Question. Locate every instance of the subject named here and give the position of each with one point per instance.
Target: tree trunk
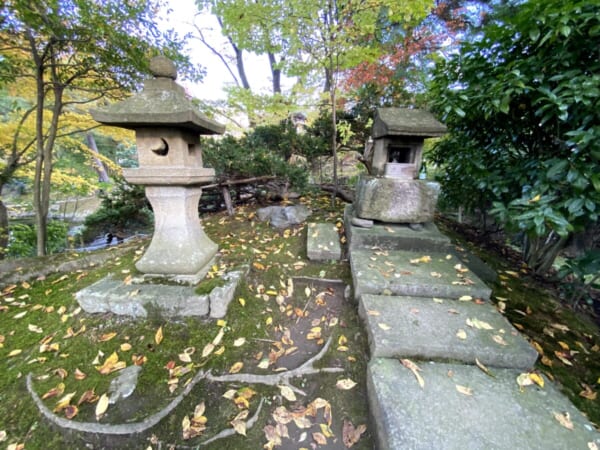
(3, 228)
(276, 73)
(40, 215)
(539, 252)
(98, 164)
(45, 146)
(227, 200)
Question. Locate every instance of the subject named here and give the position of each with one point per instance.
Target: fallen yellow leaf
(415, 370)
(483, 368)
(287, 393)
(564, 419)
(64, 402)
(236, 367)
(158, 337)
(101, 406)
(345, 384)
(464, 390)
(107, 337)
(208, 348)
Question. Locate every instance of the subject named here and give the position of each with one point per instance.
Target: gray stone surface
(284, 216)
(395, 236)
(110, 295)
(179, 245)
(390, 272)
(123, 385)
(406, 122)
(362, 223)
(135, 299)
(424, 329)
(161, 103)
(477, 265)
(394, 200)
(323, 242)
(497, 416)
(221, 296)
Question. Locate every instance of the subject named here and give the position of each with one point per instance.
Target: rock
(362, 223)
(124, 385)
(395, 200)
(284, 216)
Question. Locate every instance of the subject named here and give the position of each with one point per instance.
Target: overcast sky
(217, 76)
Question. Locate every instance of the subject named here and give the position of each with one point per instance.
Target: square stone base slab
(424, 329)
(497, 416)
(390, 236)
(391, 273)
(136, 299)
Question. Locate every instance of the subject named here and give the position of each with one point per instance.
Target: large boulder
(395, 200)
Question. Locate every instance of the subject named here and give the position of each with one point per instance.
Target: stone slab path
(424, 329)
(425, 274)
(425, 305)
(323, 242)
(498, 415)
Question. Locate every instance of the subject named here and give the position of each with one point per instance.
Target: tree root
(139, 427)
(283, 377)
(230, 431)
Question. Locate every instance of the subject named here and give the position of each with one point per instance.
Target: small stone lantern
(167, 128)
(398, 136)
(391, 193)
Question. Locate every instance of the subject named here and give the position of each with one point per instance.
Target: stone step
(323, 242)
(390, 236)
(421, 328)
(498, 415)
(390, 272)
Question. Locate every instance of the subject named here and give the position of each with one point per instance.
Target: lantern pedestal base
(179, 249)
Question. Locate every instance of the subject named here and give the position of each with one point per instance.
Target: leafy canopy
(522, 104)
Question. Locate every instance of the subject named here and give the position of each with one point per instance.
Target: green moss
(206, 286)
(274, 256)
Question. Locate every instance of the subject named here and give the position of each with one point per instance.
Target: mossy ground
(45, 311)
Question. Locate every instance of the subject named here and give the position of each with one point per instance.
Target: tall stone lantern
(167, 130)
(391, 191)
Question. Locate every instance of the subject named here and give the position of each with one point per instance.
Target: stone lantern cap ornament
(167, 130)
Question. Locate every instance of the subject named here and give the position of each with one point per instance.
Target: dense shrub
(22, 240)
(264, 151)
(124, 206)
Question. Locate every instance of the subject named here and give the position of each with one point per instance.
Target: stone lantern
(167, 128)
(391, 193)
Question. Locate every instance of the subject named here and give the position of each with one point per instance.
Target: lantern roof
(162, 103)
(406, 122)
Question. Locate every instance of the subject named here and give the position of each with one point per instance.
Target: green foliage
(522, 104)
(124, 206)
(22, 239)
(356, 129)
(259, 153)
(579, 276)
